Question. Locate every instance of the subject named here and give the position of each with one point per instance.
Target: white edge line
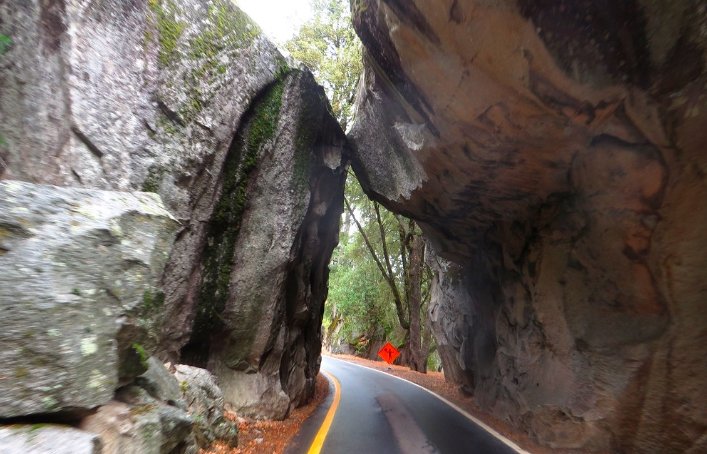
(473, 419)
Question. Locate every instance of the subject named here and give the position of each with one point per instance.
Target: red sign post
(388, 353)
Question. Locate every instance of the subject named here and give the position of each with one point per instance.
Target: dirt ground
(269, 437)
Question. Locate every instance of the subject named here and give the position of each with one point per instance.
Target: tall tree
(396, 246)
(328, 45)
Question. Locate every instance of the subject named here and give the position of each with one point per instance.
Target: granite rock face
(261, 281)
(554, 155)
(187, 99)
(48, 439)
(126, 95)
(78, 290)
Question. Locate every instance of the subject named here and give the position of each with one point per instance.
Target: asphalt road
(379, 413)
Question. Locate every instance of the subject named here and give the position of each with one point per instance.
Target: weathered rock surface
(554, 154)
(261, 281)
(206, 405)
(138, 423)
(47, 439)
(77, 292)
(126, 95)
(151, 417)
(160, 383)
(186, 98)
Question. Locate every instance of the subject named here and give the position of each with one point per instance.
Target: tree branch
(388, 277)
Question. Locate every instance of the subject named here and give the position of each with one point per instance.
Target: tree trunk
(418, 358)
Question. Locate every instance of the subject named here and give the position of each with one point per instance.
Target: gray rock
(159, 96)
(206, 406)
(123, 428)
(103, 95)
(176, 428)
(137, 423)
(160, 383)
(79, 272)
(275, 221)
(47, 439)
(451, 315)
(556, 162)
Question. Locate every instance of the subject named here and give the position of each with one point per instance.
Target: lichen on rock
(74, 285)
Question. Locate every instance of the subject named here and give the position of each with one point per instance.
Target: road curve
(379, 413)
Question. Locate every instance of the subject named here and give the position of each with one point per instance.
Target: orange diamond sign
(388, 353)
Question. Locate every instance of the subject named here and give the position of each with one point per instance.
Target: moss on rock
(141, 354)
(228, 30)
(169, 29)
(260, 128)
(153, 179)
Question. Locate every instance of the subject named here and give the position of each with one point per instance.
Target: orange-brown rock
(554, 154)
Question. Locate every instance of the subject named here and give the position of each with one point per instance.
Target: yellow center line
(318, 442)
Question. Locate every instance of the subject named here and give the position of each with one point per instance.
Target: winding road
(372, 412)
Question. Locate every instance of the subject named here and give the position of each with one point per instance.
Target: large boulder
(186, 98)
(160, 383)
(554, 154)
(127, 95)
(78, 291)
(261, 282)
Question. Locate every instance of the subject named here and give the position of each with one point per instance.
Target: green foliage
(358, 295)
(329, 47)
(142, 354)
(5, 43)
(362, 297)
(434, 362)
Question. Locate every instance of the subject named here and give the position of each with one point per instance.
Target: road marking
(318, 442)
(473, 419)
(408, 434)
